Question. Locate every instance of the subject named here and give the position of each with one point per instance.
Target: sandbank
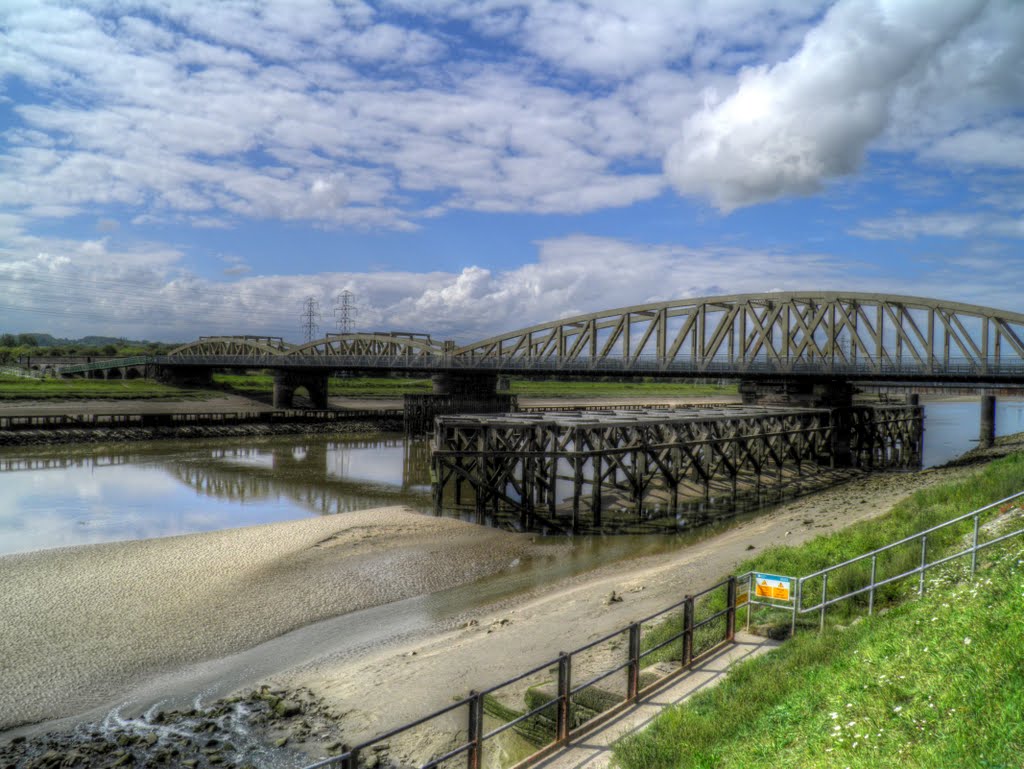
(83, 624)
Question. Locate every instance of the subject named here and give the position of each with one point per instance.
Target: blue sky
(176, 168)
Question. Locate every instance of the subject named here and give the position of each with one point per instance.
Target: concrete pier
(987, 427)
(287, 382)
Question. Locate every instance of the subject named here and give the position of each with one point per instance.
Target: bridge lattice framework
(830, 334)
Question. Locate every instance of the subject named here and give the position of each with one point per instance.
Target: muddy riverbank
(87, 624)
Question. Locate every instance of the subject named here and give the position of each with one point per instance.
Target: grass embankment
(19, 388)
(936, 682)
(386, 387)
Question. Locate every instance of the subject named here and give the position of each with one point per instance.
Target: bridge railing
(610, 365)
(99, 365)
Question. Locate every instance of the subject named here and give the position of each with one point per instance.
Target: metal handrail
(474, 702)
(913, 537)
(562, 700)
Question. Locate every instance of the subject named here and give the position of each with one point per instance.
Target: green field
(385, 387)
(932, 682)
(18, 388)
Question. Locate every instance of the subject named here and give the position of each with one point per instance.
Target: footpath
(593, 750)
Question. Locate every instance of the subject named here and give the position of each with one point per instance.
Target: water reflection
(62, 496)
(951, 427)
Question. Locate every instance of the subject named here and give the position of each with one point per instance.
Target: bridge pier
(987, 427)
(456, 393)
(287, 382)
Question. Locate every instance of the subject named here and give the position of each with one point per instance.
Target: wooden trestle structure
(612, 470)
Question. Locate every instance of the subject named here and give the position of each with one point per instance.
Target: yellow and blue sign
(772, 586)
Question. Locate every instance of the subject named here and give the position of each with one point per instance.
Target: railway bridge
(785, 345)
(798, 356)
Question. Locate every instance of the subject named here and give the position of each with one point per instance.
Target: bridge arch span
(232, 345)
(785, 331)
(369, 344)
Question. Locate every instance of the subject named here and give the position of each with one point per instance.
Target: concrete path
(593, 751)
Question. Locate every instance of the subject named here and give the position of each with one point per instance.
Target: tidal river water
(60, 496)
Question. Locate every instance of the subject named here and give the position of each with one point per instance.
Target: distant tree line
(20, 346)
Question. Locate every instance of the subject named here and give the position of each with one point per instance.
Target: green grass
(922, 510)
(904, 687)
(932, 683)
(385, 387)
(18, 388)
(365, 387)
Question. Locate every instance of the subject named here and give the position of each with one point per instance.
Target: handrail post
(750, 595)
(730, 616)
(924, 561)
(797, 604)
(633, 684)
(564, 685)
(871, 595)
(475, 730)
(974, 547)
(824, 601)
(687, 658)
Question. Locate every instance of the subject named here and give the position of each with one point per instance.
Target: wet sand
(83, 624)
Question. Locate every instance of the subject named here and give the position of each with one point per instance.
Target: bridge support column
(456, 393)
(287, 382)
(987, 428)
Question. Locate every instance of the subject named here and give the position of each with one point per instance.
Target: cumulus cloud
(146, 291)
(788, 128)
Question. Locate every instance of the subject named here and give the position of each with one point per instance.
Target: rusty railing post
(687, 632)
(730, 617)
(562, 724)
(475, 730)
(633, 683)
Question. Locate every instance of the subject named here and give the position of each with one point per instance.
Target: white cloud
(788, 128)
(1000, 145)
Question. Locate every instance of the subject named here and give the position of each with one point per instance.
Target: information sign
(772, 586)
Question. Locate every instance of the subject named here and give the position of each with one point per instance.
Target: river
(62, 496)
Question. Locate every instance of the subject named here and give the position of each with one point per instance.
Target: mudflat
(83, 624)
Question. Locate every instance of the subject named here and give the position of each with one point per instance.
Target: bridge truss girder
(783, 331)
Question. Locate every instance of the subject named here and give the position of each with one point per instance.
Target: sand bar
(83, 624)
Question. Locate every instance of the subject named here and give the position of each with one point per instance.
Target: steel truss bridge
(795, 335)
